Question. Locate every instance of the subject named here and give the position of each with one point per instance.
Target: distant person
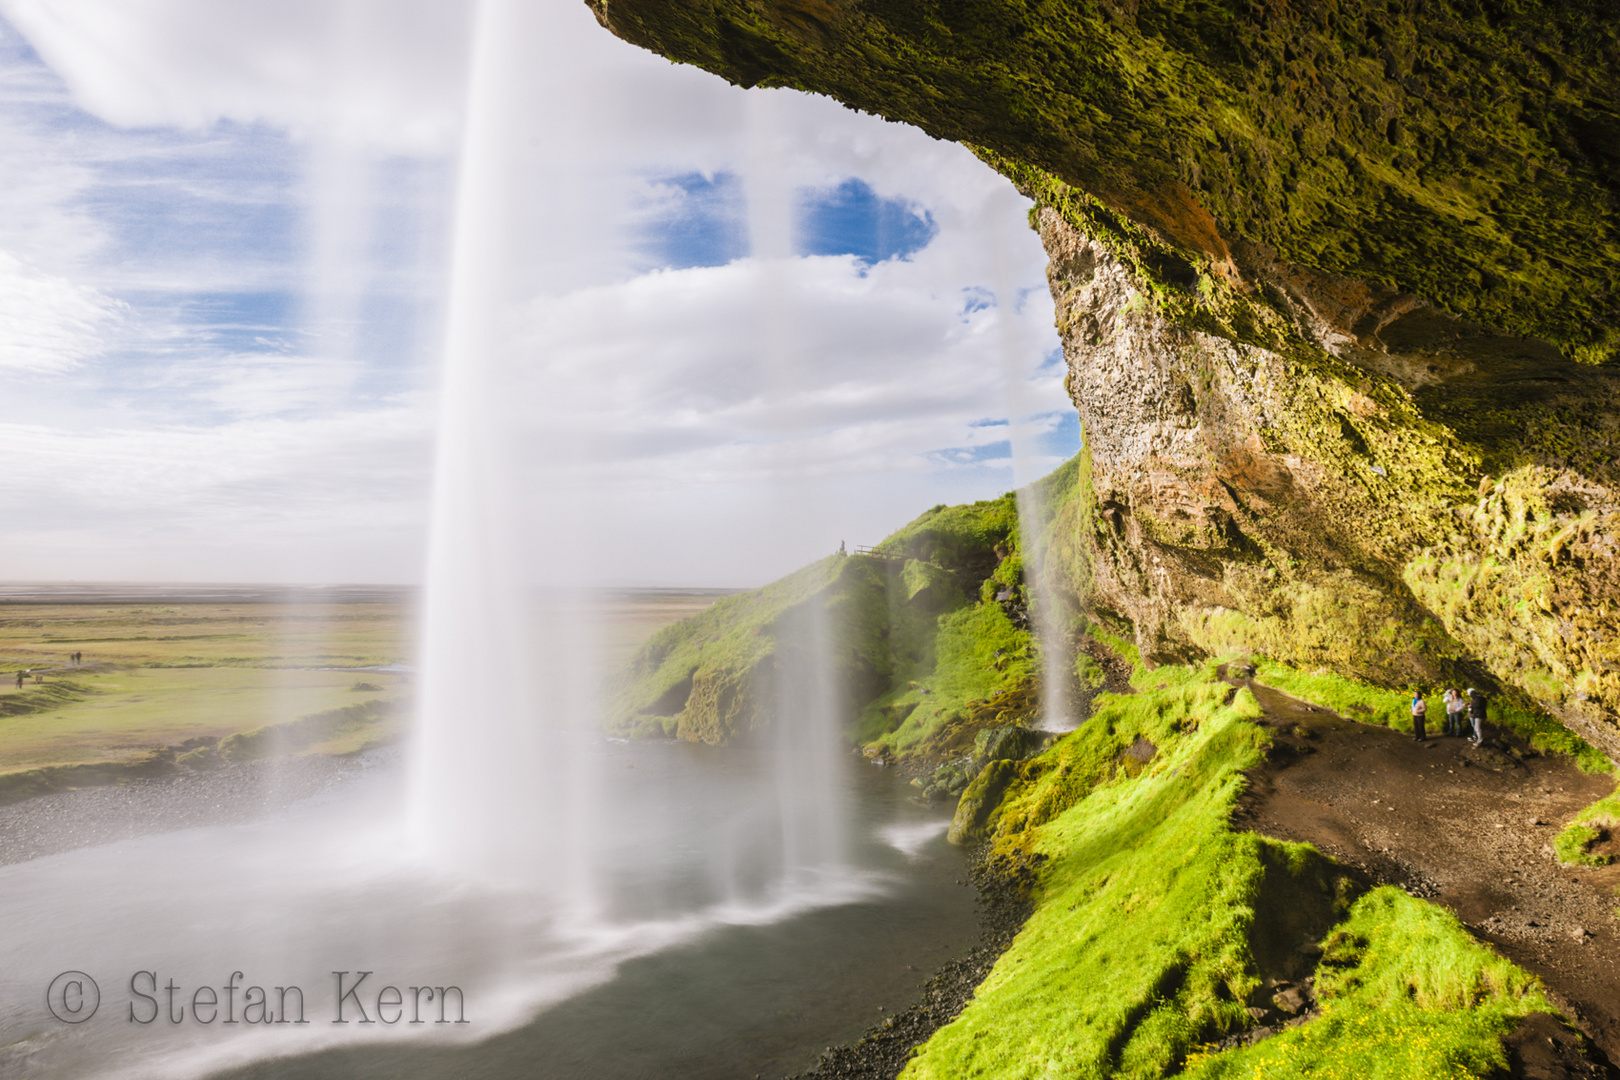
(1420, 712)
(1476, 715)
(841, 549)
(1456, 707)
(21, 674)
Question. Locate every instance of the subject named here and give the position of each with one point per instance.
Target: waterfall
(504, 779)
(505, 670)
(807, 744)
(1057, 710)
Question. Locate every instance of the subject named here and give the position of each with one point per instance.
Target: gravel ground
(228, 795)
(1467, 827)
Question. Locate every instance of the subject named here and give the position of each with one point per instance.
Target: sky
(736, 327)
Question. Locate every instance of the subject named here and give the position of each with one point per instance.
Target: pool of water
(696, 960)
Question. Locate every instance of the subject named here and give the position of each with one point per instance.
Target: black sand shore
(231, 794)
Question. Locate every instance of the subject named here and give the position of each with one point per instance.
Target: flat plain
(165, 673)
(175, 669)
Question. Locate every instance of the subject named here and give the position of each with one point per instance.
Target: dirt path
(1470, 828)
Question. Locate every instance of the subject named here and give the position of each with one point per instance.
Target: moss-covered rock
(1339, 290)
(715, 677)
(1464, 152)
(980, 801)
(922, 659)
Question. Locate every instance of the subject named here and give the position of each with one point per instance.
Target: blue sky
(223, 260)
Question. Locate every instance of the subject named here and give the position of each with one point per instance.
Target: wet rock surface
(1468, 827)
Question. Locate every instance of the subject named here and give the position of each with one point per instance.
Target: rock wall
(1348, 499)
(1339, 288)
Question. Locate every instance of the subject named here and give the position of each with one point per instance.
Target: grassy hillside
(1159, 931)
(932, 633)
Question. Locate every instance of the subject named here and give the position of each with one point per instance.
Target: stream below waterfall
(698, 958)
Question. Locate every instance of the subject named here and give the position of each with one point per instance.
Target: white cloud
(876, 369)
(337, 497)
(383, 70)
(47, 323)
(255, 385)
(793, 402)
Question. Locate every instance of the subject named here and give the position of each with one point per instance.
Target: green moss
(1405, 992)
(1329, 133)
(1518, 578)
(1155, 923)
(1574, 844)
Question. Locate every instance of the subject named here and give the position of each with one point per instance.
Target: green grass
(1405, 992)
(188, 684)
(293, 635)
(929, 643)
(1137, 945)
(708, 677)
(1350, 698)
(1155, 921)
(334, 731)
(158, 676)
(975, 655)
(122, 715)
(1574, 843)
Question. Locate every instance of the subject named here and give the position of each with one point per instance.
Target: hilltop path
(1470, 828)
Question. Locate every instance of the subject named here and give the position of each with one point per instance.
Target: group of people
(1465, 716)
(24, 674)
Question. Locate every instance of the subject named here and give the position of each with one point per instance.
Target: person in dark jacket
(1476, 715)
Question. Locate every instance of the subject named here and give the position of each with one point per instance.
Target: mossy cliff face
(720, 676)
(1339, 289)
(1467, 152)
(1376, 502)
(925, 639)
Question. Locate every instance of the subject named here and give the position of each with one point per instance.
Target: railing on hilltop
(874, 553)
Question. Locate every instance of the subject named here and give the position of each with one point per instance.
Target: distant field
(267, 634)
(175, 669)
(632, 616)
(158, 675)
